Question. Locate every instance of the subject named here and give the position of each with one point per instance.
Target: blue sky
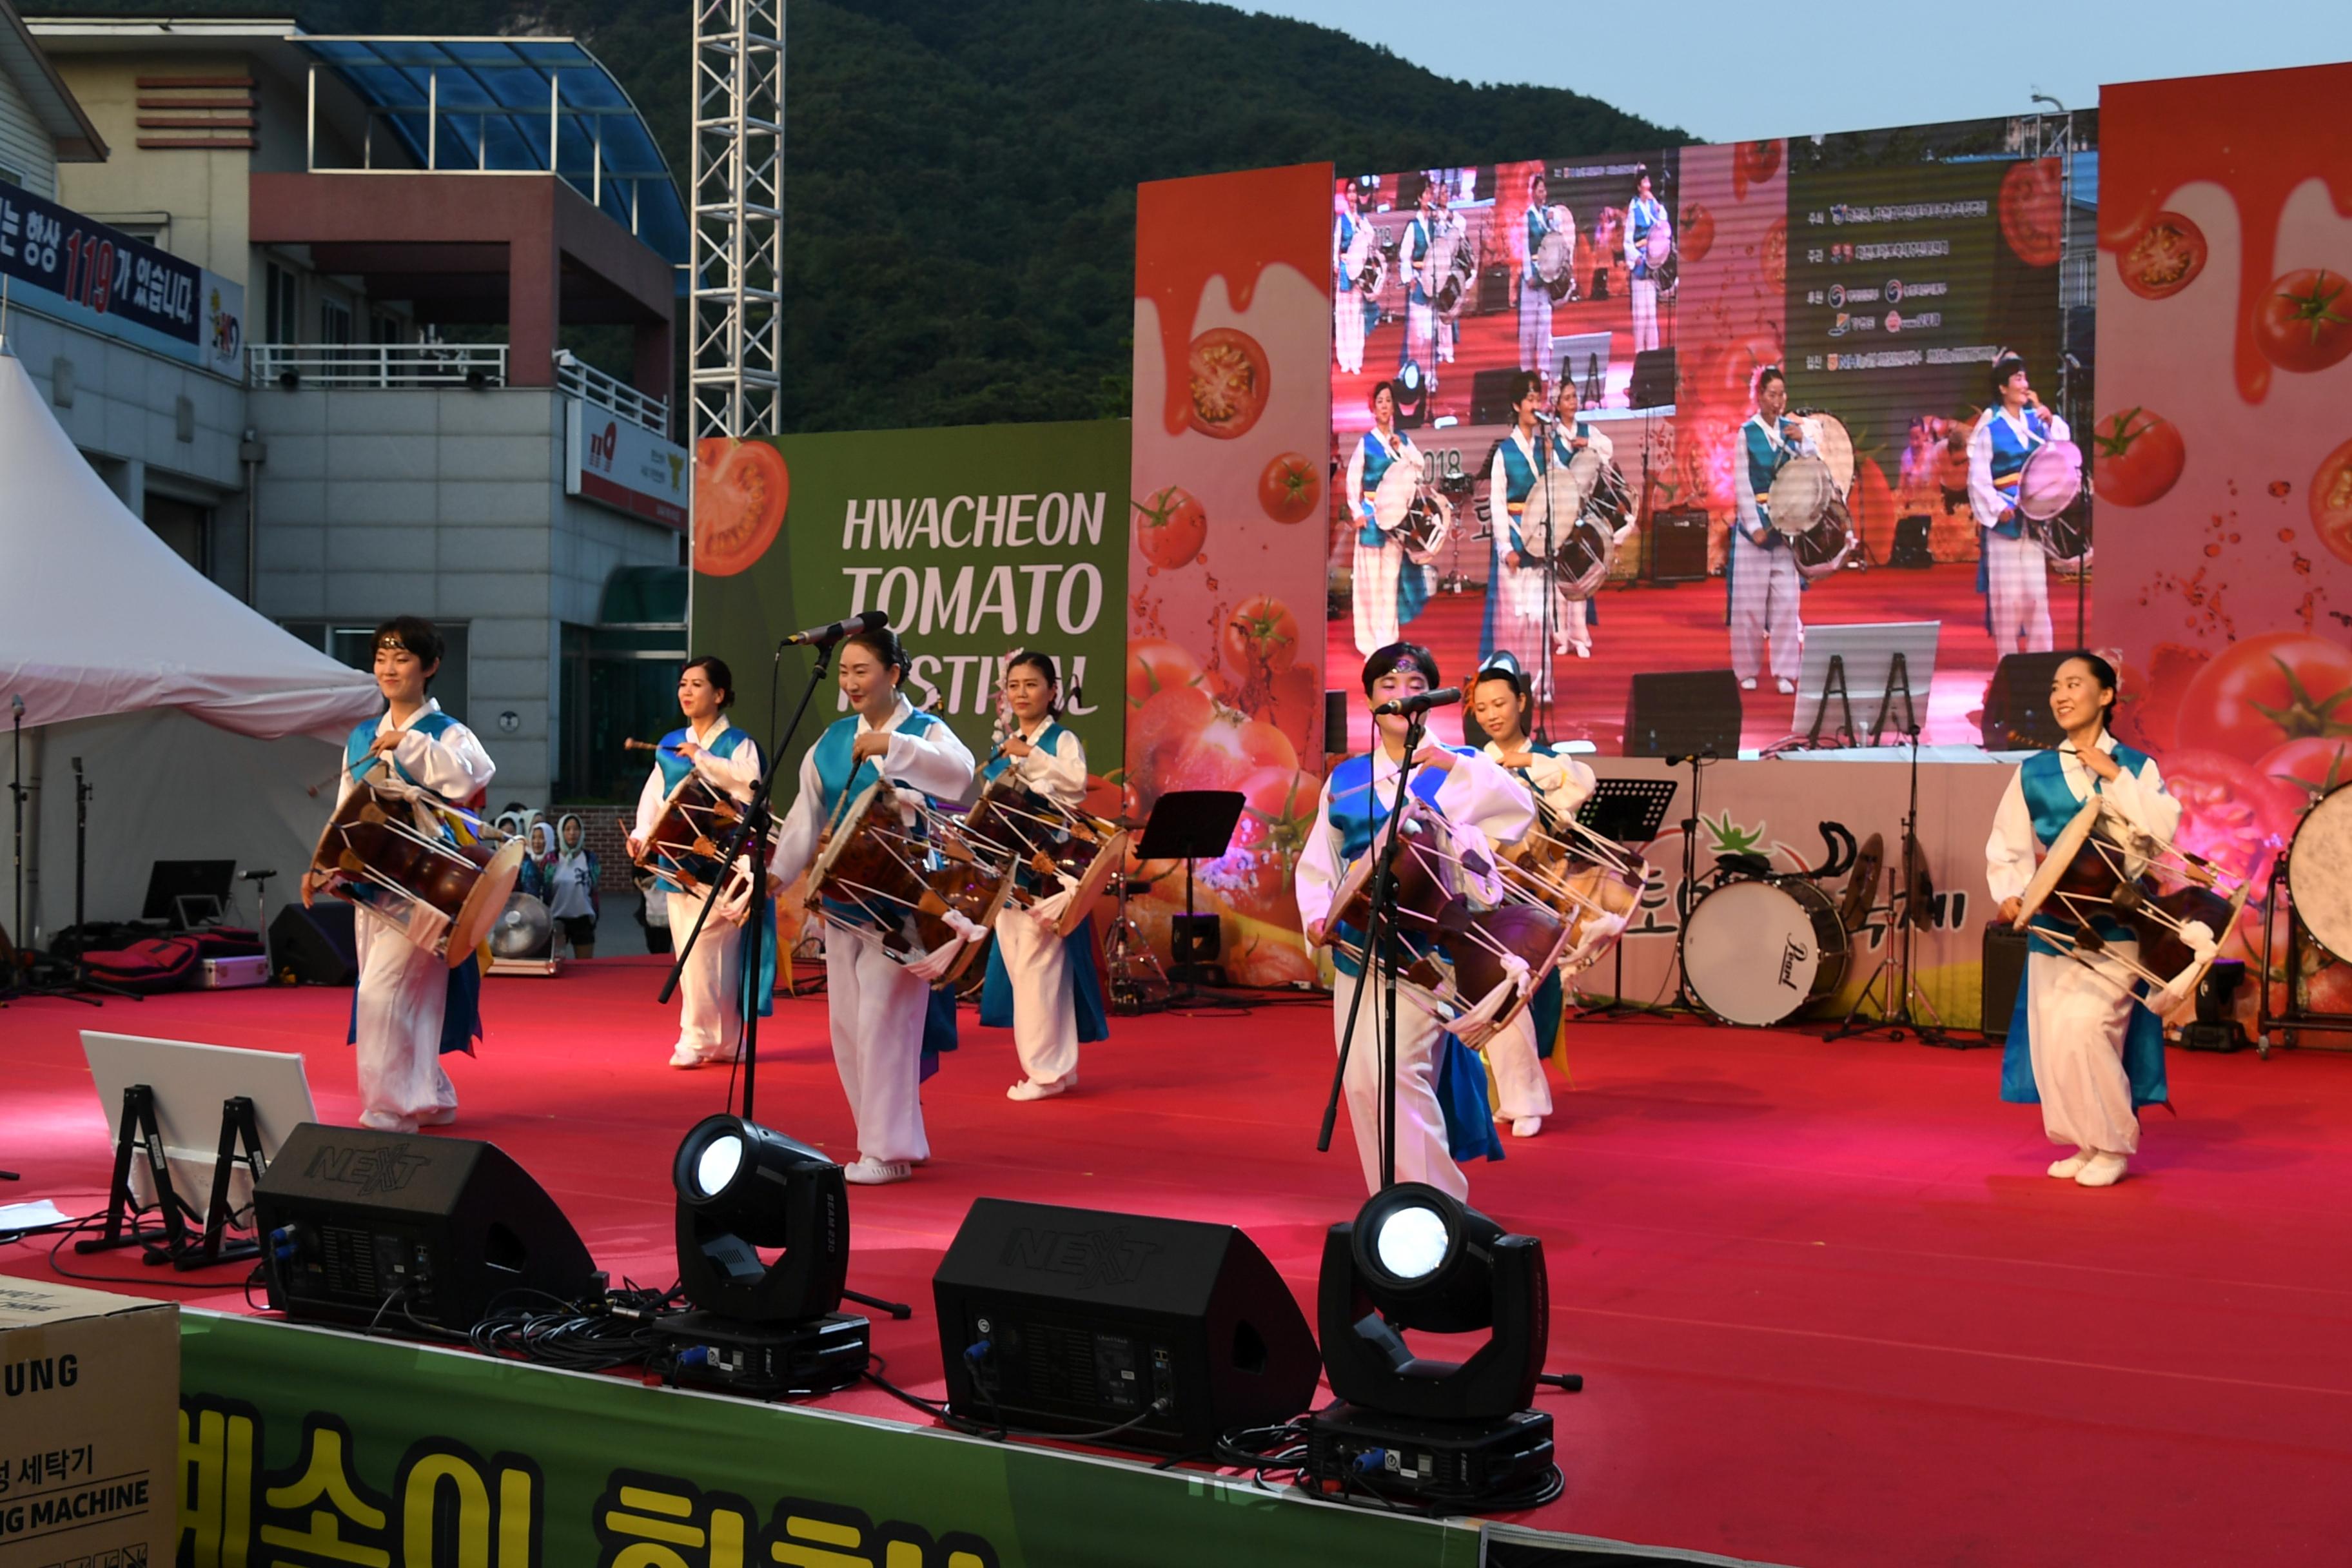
(1727, 72)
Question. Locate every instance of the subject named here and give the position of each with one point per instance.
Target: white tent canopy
(115, 647)
(98, 616)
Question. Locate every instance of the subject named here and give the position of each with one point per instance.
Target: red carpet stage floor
(1680, 626)
(1831, 1311)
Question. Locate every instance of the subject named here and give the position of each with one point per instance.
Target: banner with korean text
(304, 1446)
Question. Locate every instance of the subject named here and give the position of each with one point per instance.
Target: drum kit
(436, 874)
(1808, 500)
(2103, 868)
(1413, 509)
(2047, 489)
(1759, 947)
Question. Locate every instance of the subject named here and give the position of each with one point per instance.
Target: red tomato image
(740, 488)
(1260, 639)
(2135, 457)
(2256, 695)
(2230, 812)
(1776, 254)
(2148, 705)
(2316, 764)
(1758, 161)
(2164, 257)
(1165, 727)
(1230, 382)
(2032, 212)
(1697, 236)
(1155, 664)
(1289, 488)
(1292, 703)
(1170, 527)
(2305, 323)
(2331, 501)
(1277, 814)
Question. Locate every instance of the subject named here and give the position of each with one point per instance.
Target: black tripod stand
(25, 962)
(1896, 1002)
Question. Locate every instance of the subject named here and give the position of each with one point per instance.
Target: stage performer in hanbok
(1441, 1095)
(1571, 433)
(411, 1006)
(1386, 588)
(1347, 292)
(710, 989)
(1766, 588)
(2012, 572)
(2082, 1042)
(1519, 584)
(1559, 784)
(1041, 986)
(1535, 298)
(879, 1006)
(1642, 214)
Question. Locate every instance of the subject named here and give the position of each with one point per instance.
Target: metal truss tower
(736, 322)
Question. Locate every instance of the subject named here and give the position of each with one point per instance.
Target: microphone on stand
(826, 636)
(1421, 702)
(255, 876)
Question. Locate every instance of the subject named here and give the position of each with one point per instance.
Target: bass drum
(2320, 873)
(1760, 953)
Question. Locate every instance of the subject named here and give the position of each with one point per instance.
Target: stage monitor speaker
(1683, 712)
(1679, 546)
(1076, 1319)
(317, 944)
(1654, 379)
(1911, 549)
(2017, 704)
(2004, 969)
(1335, 723)
(366, 1228)
(1490, 395)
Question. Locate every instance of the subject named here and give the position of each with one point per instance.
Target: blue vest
(1518, 482)
(675, 768)
(1347, 239)
(1086, 986)
(839, 779)
(461, 1010)
(2042, 778)
(1765, 462)
(1358, 810)
(1377, 462)
(1539, 225)
(1415, 247)
(1562, 453)
(2009, 454)
(1642, 214)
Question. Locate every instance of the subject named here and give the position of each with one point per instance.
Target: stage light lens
(715, 1166)
(1411, 1243)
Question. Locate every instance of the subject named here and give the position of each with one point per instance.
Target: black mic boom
(1422, 703)
(826, 636)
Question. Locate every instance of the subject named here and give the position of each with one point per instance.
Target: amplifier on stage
(1679, 546)
(2004, 970)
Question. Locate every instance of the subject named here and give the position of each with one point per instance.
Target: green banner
(309, 1446)
(976, 541)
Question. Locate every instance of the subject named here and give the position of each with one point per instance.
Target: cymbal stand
(1125, 952)
(1897, 1000)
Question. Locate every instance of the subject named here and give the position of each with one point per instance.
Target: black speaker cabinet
(1077, 1320)
(2004, 970)
(319, 944)
(1494, 290)
(1911, 549)
(2017, 704)
(1335, 723)
(1490, 395)
(1679, 546)
(1682, 713)
(1652, 385)
(379, 1225)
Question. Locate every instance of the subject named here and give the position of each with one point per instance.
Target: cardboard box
(90, 1401)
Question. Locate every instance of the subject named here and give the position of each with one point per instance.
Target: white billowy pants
(1568, 625)
(1044, 997)
(709, 1003)
(1419, 339)
(1348, 329)
(1518, 594)
(1535, 329)
(1517, 1065)
(1645, 315)
(877, 1007)
(1377, 568)
(2017, 579)
(2075, 1021)
(1422, 1154)
(1765, 598)
(402, 993)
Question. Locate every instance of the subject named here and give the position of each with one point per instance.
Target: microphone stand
(750, 840)
(1379, 948)
(1544, 434)
(19, 981)
(1683, 895)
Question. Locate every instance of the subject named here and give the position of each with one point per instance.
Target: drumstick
(312, 791)
(632, 744)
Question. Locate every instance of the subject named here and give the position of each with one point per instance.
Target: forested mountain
(960, 174)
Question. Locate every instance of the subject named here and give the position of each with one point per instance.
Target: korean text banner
(102, 280)
(976, 541)
(301, 1445)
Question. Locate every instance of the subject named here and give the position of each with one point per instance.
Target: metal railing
(378, 364)
(478, 365)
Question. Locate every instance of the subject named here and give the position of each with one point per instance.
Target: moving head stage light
(1437, 1433)
(762, 1255)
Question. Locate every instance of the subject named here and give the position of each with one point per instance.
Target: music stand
(1885, 668)
(1190, 825)
(1628, 811)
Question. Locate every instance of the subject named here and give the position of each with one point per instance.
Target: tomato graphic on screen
(1170, 527)
(1696, 237)
(2256, 695)
(1776, 254)
(2135, 457)
(2164, 257)
(2032, 212)
(1277, 814)
(1289, 488)
(740, 488)
(1155, 664)
(2331, 501)
(2316, 764)
(2306, 321)
(1260, 637)
(1230, 382)
(1757, 161)
(2231, 814)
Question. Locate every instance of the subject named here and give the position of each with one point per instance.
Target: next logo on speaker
(1090, 1258)
(386, 1168)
